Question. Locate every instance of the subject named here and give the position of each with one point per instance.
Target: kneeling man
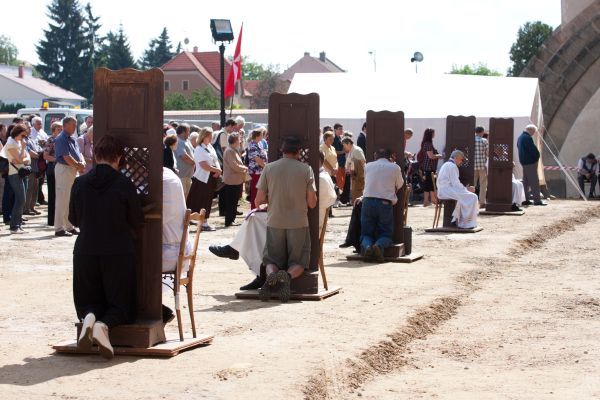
(383, 179)
(288, 186)
(450, 188)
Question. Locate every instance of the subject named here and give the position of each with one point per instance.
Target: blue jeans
(8, 200)
(377, 223)
(19, 187)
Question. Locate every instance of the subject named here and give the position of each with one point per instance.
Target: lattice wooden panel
(500, 152)
(136, 168)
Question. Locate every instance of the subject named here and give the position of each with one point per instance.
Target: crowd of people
(88, 196)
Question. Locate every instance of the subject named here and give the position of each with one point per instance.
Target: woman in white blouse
(18, 157)
(204, 181)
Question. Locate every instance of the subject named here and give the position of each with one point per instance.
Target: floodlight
(221, 30)
(417, 57)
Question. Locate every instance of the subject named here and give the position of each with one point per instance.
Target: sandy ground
(510, 312)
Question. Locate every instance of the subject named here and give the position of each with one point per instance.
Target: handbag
(41, 163)
(24, 171)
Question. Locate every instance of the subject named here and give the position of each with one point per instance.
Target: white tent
(425, 100)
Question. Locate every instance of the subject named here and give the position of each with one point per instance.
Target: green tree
(204, 99)
(253, 71)
(8, 51)
(61, 50)
(10, 108)
(159, 51)
(270, 83)
(475, 69)
(92, 56)
(176, 101)
(529, 39)
(117, 51)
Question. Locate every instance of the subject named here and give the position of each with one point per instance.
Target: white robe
(174, 209)
(450, 188)
(250, 240)
(518, 192)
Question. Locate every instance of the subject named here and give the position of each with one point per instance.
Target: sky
(446, 32)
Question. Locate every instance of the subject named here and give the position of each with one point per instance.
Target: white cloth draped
(174, 209)
(450, 188)
(518, 192)
(250, 240)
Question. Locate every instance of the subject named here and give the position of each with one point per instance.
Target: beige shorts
(286, 247)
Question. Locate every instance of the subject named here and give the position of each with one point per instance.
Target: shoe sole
(86, 342)
(265, 291)
(378, 254)
(284, 286)
(368, 254)
(106, 352)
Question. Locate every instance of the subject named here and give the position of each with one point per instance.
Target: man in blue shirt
(69, 162)
(529, 155)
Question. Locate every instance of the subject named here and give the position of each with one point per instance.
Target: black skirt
(427, 184)
(201, 195)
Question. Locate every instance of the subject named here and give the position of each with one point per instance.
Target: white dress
(449, 187)
(174, 209)
(518, 192)
(250, 240)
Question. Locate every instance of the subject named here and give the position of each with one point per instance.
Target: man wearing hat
(450, 188)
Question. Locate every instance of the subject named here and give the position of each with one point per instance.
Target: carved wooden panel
(385, 129)
(128, 104)
(298, 115)
(460, 134)
(499, 195)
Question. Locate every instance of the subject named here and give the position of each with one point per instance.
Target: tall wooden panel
(499, 194)
(386, 130)
(460, 134)
(298, 115)
(128, 104)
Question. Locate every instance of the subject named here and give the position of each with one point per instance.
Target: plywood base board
(453, 230)
(321, 295)
(511, 213)
(172, 347)
(407, 259)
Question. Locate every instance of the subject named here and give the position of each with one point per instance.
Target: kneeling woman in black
(105, 206)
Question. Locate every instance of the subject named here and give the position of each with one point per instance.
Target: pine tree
(118, 52)
(93, 55)
(60, 51)
(159, 51)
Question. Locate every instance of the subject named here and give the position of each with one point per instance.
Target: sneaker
(283, 278)
(527, 203)
(100, 336)
(270, 283)
(85, 341)
(516, 208)
(16, 231)
(207, 228)
(378, 253)
(73, 232)
(540, 203)
(63, 234)
(255, 284)
(225, 252)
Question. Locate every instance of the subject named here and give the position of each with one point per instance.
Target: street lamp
(417, 58)
(374, 54)
(222, 32)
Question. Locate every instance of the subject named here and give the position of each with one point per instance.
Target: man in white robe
(249, 242)
(450, 188)
(518, 193)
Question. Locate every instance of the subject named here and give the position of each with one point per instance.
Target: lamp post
(417, 58)
(222, 32)
(374, 54)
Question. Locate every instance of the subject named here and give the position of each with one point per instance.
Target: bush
(199, 100)
(10, 108)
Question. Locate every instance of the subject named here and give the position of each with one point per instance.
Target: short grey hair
(531, 128)
(457, 153)
(36, 119)
(239, 120)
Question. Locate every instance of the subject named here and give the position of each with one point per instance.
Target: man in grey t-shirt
(185, 157)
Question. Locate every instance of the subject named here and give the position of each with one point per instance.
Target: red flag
(235, 73)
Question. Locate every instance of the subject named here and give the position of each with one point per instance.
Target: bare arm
(261, 198)
(73, 163)
(185, 157)
(48, 157)
(16, 157)
(433, 156)
(207, 167)
(311, 199)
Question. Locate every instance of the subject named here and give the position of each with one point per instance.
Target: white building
(18, 85)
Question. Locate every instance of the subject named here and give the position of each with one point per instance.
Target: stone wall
(568, 69)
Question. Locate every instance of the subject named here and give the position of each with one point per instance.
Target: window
(167, 86)
(49, 119)
(185, 85)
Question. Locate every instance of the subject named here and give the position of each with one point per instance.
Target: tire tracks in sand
(390, 354)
